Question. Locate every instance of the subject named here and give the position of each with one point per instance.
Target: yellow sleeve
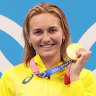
(5, 85)
(86, 86)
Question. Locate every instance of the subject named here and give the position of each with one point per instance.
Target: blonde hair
(29, 51)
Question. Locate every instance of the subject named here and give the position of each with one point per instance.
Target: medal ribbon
(48, 72)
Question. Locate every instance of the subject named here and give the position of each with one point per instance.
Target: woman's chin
(47, 54)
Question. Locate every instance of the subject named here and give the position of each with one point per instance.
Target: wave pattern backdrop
(81, 18)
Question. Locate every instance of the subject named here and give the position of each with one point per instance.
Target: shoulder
(17, 70)
(87, 76)
(86, 73)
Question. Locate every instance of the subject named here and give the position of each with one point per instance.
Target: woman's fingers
(76, 67)
(83, 56)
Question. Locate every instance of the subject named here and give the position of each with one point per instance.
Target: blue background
(81, 14)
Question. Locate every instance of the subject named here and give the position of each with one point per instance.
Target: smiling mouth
(47, 46)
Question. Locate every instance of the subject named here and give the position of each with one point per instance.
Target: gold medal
(72, 49)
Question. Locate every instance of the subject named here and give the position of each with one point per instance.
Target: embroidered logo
(27, 79)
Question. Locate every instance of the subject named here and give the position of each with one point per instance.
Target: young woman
(47, 36)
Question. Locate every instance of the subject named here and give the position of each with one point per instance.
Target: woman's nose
(46, 37)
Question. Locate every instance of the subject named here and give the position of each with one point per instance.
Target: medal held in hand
(72, 49)
(71, 52)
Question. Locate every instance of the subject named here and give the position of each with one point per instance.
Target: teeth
(46, 46)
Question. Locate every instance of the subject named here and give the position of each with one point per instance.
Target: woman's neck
(51, 61)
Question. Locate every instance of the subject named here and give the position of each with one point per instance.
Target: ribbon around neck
(48, 72)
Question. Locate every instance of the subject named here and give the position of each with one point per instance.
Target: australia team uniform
(21, 81)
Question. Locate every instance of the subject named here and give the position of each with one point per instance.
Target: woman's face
(46, 34)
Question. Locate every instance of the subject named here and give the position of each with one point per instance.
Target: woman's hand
(78, 65)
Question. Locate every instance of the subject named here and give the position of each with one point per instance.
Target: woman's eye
(52, 30)
(38, 32)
